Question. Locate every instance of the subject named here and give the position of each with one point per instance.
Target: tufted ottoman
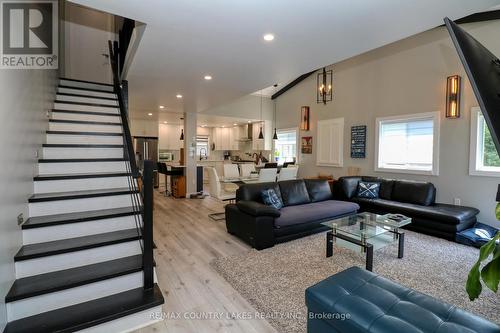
(356, 300)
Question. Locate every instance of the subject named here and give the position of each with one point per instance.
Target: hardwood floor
(187, 240)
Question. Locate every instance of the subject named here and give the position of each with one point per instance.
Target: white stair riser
(80, 229)
(85, 85)
(67, 185)
(65, 98)
(77, 152)
(84, 167)
(78, 205)
(85, 92)
(84, 139)
(129, 323)
(77, 107)
(85, 117)
(70, 127)
(59, 262)
(35, 305)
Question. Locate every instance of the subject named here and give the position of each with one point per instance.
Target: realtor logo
(29, 34)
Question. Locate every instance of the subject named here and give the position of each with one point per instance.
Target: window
(285, 148)
(408, 144)
(202, 146)
(484, 159)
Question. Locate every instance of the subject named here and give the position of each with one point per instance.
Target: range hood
(247, 133)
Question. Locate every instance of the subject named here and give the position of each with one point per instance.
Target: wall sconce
(453, 96)
(304, 118)
(324, 84)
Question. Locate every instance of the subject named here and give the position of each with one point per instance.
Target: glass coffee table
(366, 230)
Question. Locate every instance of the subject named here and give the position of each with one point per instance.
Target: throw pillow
(270, 198)
(368, 190)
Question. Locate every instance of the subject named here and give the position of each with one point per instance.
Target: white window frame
(475, 168)
(436, 118)
(297, 143)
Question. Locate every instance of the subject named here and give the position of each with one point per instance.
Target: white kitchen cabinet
(222, 138)
(330, 143)
(234, 136)
(169, 137)
(267, 142)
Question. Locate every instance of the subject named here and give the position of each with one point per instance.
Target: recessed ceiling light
(208, 77)
(249, 121)
(223, 126)
(165, 122)
(203, 125)
(178, 96)
(150, 114)
(235, 124)
(268, 37)
(162, 107)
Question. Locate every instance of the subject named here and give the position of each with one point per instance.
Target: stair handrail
(127, 137)
(146, 201)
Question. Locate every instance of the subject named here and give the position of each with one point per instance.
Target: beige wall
(26, 96)
(405, 77)
(86, 35)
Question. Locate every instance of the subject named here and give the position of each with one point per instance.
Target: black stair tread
(84, 133)
(84, 81)
(81, 176)
(50, 220)
(87, 104)
(70, 278)
(87, 112)
(79, 145)
(86, 96)
(66, 160)
(85, 122)
(39, 197)
(39, 250)
(86, 89)
(91, 313)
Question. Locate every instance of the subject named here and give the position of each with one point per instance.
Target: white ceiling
(184, 40)
(203, 119)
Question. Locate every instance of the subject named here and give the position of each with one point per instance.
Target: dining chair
(231, 171)
(246, 169)
(220, 192)
(267, 175)
(270, 165)
(288, 173)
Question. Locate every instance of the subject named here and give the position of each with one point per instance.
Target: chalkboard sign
(358, 141)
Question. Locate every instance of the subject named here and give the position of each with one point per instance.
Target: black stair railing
(142, 205)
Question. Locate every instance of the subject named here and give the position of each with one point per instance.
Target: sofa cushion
(257, 209)
(444, 213)
(252, 192)
(368, 190)
(318, 189)
(349, 185)
(421, 193)
(377, 304)
(292, 215)
(294, 192)
(270, 198)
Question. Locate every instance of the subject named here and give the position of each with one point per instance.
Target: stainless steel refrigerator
(146, 148)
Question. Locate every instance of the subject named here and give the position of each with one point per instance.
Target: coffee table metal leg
(369, 257)
(401, 245)
(329, 244)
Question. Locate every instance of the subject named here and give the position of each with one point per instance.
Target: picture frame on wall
(306, 145)
(358, 141)
(304, 118)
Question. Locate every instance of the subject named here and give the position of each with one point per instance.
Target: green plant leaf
(491, 273)
(473, 285)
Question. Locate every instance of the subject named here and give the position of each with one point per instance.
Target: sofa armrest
(257, 209)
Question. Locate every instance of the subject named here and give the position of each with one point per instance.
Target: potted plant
(490, 272)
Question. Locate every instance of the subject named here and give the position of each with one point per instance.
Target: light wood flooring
(187, 240)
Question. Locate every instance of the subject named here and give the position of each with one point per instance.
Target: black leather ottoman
(356, 300)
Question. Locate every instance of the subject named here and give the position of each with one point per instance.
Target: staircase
(84, 260)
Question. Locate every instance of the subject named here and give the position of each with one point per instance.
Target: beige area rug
(274, 280)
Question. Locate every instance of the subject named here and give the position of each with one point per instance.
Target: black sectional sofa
(413, 199)
(307, 203)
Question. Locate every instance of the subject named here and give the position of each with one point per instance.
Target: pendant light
(261, 135)
(182, 132)
(275, 136)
